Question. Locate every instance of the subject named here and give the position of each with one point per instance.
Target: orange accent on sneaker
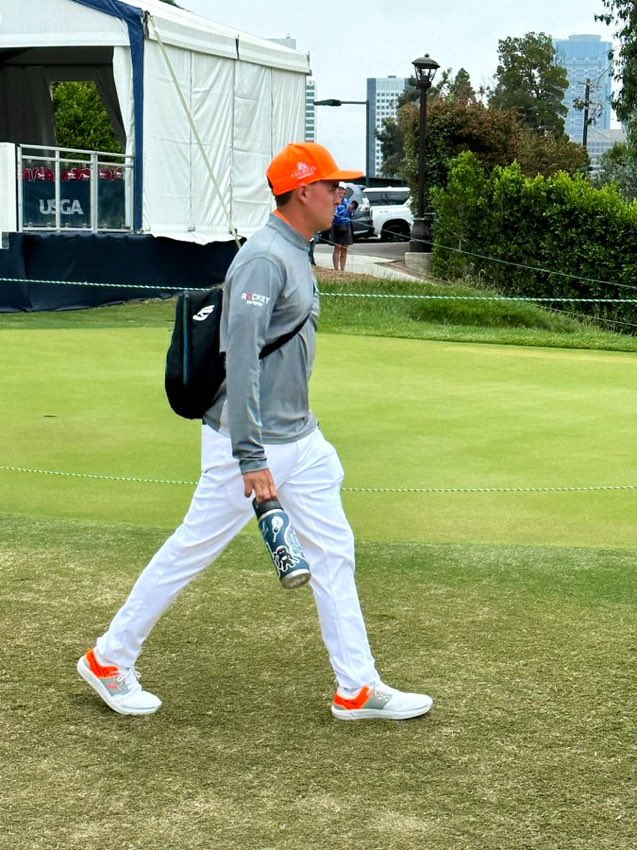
(98, 669)
(353, 702)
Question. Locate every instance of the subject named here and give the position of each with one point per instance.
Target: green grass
(402, 413)
(516, 611)
(151, 313)
(506, 323)
(529, 653)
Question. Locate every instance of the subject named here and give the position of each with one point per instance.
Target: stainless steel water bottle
(292, 568)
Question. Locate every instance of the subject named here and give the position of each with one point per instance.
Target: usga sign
(67, 207)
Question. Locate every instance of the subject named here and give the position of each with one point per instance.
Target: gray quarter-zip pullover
(269, 289)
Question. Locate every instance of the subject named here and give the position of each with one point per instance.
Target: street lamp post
(421, 229)
(332, 101)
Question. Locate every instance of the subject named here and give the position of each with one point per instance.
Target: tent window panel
(81, 118)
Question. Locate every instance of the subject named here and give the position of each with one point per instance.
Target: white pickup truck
(390, 211)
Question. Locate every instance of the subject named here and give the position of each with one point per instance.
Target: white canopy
(245, 96)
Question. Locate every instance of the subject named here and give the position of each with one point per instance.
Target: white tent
(154, 64)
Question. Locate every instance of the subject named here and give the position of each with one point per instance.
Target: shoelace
(376, 688)
(130, 678)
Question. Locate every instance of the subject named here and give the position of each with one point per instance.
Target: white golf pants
(308, 475)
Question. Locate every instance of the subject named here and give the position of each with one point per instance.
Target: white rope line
(431, 245)
(353, 251)
(327, 241)
(93, 476)
(477, 297)
(398, 296)
(533, 268)
(153, 286)
(490, 489)
(137, 480)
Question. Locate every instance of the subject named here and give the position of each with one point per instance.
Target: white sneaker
(119, 687)
(379, 701)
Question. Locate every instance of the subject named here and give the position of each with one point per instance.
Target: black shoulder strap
(272, 346)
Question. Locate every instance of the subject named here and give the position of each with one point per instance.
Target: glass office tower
(585, 57)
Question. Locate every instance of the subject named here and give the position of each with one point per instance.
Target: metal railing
(74, 189)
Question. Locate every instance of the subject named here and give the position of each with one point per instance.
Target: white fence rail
(73, 189)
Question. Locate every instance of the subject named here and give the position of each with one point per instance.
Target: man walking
(260, 439)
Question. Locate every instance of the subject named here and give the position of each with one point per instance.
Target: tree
(391, 136)
(623, 14)
(392, 146)
(529, 81)
(549, 154)
(453, 127)
(461, 88)
(618, 166)
(81, 120)
(495, 136)
(438, 89)
(458, 121)
(451, 87)
(409, 95)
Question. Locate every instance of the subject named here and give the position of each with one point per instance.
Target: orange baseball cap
(301, 163)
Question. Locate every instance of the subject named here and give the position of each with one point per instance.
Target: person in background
(342, 234)
(313, 242)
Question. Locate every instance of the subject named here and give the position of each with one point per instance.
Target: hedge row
(551, 227)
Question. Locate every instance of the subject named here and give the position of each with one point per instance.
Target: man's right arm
(251, 295)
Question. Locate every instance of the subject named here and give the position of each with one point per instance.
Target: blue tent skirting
(122, 259)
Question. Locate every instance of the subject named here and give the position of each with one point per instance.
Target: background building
(585, 57)
(310, 110)
(601, 141)
(382, 96)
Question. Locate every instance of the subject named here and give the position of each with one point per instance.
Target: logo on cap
(304, 170)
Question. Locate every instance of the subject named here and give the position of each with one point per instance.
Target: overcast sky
(352, 40)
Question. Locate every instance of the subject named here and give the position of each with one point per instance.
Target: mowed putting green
(404, 414)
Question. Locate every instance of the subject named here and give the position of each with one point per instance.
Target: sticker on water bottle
(293, 544)
(284, 560)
